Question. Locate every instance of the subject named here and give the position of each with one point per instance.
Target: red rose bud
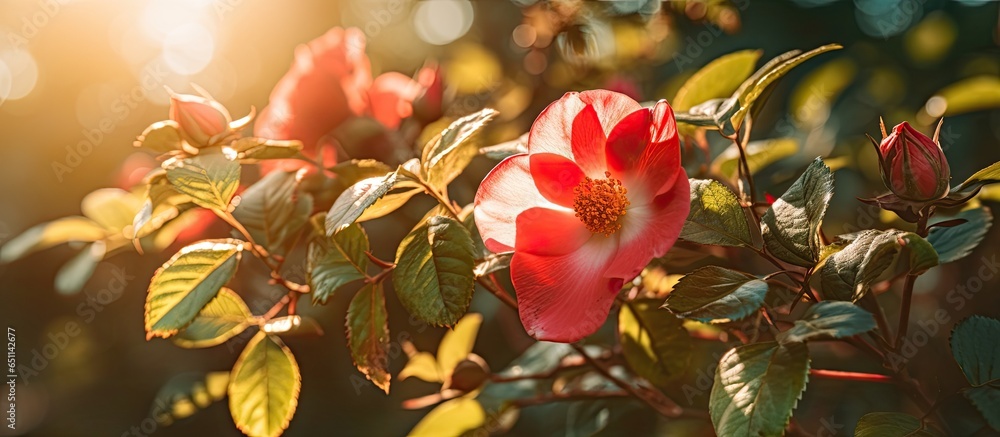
(203, 122)
(913, 165)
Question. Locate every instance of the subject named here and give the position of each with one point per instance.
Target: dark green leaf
(434, 276)
(891, 425)
(791, 225)
(273, 211)
(716, 295)
(187, 282)
(264, 387)
(210, 179)
(187, 393)
(654, 342)
(355, 200)
(847, 274)
(829, 319)
(368, 334)
(756, 388)
(333, 262)
(973, 344)
(224, 317)
(716, 216)
(957, 242)
(444, 157)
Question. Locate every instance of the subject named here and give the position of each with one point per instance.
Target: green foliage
(716, 295)
(253, 149)
(453, 418)
(187, 282)
(355, 200)
(210, 178)
(162, 136)
(791, 225)
(891, 425)
(187, 393)
(760, 154)
(756, 388)
(224, 317)
(986, 176)
(74, 274)
(847, 274)
(973, 344)
(829, 319)
(332, 262)
(957, 242)
(716, 216)
(718, 79)
(368, 334)
(274, 212)
(264, 387)
(46, 235)
(457, 343)
(447, 155)
(655, 343)
(434, 276)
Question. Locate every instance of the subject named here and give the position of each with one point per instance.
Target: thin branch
(656, 400)
(569, 396)
(851, 376)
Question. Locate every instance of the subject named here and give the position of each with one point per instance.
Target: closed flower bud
(203, 122)
(913, 165)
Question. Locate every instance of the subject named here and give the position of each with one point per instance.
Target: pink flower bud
(913, 165)
(203, 122)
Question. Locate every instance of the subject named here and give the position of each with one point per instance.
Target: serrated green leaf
(719, 78)
(451, 419)
(847, 274)
(957, 242)
(210, 179)
(162, 205)
(829, 319)
(264, 387)
(434, 276)
(333, 262)
(224, 317)
(457, 344)
(760, 154)
(791, 225)
(447, 155)
(716, 216)
(920, 252)
(274, 212)
(891, 425)
(716, 295)
(654, 342)
(74, 274)
(353, 202)
(186, 394)
(368, 334)
(254, 149)
(756, 388)
(356, 170)
(46, 235)
(758, 84)
(162, 136)
(973, 344)
(187, 282)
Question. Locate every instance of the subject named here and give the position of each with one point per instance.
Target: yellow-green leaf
(187, 393)
(451, 419)
(445, 156)
(224, 317)
(187, 282)
(210, 178)
(422, 365)
(162, 136)
(264, 387)
(46, 235)
(760, 154)
(254, 149)
(718, 79)
(654, 342)
(457, 344)
(968, 95)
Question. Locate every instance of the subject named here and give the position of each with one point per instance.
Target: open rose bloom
(599, 194)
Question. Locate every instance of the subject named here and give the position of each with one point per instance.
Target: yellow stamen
(600, 203)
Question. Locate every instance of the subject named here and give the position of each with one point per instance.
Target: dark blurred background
(68, 65)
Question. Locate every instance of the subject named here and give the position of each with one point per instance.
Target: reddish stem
(850, 376)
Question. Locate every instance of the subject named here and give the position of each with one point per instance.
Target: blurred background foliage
(67, 66)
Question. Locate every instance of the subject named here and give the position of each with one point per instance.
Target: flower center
(599, 203)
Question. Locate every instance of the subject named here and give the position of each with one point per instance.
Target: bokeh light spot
(442, 21)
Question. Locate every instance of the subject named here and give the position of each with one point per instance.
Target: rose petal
(505, 193)
(650, 230)
(566, 127)
(543, 231)
(660, 162)
(627, 141)
(565, 298)
(556, 177)
(390, 98)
